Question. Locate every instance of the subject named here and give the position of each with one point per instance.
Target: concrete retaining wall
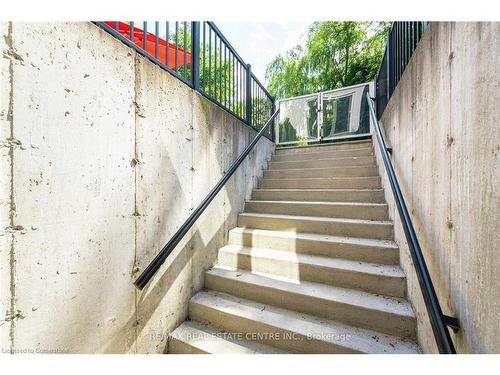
(443, 123)
(104, 155)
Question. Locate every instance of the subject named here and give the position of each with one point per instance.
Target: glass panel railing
(325, 116)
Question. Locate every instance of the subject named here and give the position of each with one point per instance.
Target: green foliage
(221, 77)
(302, 142)
(336, 54)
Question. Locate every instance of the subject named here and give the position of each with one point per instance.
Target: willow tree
(336, 54)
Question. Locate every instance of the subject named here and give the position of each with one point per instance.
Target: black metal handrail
(438, 320)
(155, 264)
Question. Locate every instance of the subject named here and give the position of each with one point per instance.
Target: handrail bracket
(452, 322)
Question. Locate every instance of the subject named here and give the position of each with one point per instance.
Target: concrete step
(193, 337)
(290, 330)
(380, 230)
(382, 279)
(327, 154)
(350, 248)
(320, 195)
(324, 163)
(392, 316)
(321, 183)
(352, 210)
(349, 145)
(358, 171)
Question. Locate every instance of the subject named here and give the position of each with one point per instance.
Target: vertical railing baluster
(131, 31)
(176, 46)
(248, 89)
(167, 37)
(144, 35)
(220, 70)
(210, 91)
(185, 50)
(195, 55)
(224, 72)
(388, 57)
(216, 71)
(204, 57)
(157, 37)
(234, 82)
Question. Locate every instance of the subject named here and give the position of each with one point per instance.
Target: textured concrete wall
(443, 124)
(104, 155)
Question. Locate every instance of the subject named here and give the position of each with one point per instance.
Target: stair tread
(319, 261)
(371, 301)
(315, 218)
(323, 155)
(325, 293)
(321, 178)
(317, 203)
(327, 159)
(319, 237)
(205, 338)
(340, 167)
(342, 335)
(300, 190)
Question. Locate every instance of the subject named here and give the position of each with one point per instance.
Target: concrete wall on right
(443, 123)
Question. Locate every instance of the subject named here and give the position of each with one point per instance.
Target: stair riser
(343, 211)
(332, 183)
(263, 333)
(377, 284)
(380, 321)
(323, 155)
(328, 163)
(337, 147)
(360, 171)
(328, 196)
(374, 230)
(342, 250)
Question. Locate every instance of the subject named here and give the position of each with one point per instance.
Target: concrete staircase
(310, 268)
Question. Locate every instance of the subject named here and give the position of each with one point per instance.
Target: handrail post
(249, 95)
(195, 54)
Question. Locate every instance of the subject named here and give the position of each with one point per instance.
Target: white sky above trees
(258, 43)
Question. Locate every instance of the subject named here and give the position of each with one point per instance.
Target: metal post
(249, 95)
(388, 62)
(195, 55)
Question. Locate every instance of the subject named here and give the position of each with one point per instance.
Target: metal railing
(438, 320)
(323, 116)
(402, 41)
(156, 263)
(199, 55)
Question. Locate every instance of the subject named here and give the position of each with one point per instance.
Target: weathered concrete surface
(104, 155)
(442, 123)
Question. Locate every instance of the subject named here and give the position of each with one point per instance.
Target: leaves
(336, 54)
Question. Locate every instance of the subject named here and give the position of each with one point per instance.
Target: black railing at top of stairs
(199, 55)
(438, 320)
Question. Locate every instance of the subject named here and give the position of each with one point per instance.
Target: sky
(258, 43)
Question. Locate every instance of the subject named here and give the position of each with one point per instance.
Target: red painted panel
(124, 29)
